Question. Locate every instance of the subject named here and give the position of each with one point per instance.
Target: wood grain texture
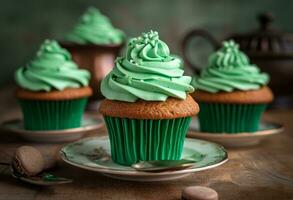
(264, 172)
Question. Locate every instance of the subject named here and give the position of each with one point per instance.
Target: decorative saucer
(266, 130)
(94, 154)
(89, 123)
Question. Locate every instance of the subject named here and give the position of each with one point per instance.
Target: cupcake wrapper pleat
(133, 139)
(230, 118)
(52, 115)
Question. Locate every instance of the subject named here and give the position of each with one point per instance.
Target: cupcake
(52, 90)
(231, 92)
(147, 109)
(94, 44)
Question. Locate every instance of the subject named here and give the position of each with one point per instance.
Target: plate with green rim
(94, 154)
(266, 130)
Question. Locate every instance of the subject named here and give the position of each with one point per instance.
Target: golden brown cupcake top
(66, 94)
(263, 95)
(169, 109)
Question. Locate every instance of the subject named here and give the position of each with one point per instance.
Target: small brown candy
(199, 193)
(28, 161)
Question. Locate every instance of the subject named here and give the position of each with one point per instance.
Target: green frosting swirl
(95, 28)
(147, 72)
(52, 69)
(229, 69)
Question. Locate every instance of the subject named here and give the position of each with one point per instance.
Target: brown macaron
(169, 109)
(28, 161)
(199, 193)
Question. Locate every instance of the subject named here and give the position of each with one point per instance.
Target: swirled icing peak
(230, 69)
(95, 28)
(51, 69)
(147, 71)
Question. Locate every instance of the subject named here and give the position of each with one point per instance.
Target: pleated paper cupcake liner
(134, 139)
(230, 118)
(52, 115)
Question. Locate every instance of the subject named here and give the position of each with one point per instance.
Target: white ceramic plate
(266, 129)
(89, 123)
(89, 153)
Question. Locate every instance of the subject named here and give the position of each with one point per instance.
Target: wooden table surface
(263, 172)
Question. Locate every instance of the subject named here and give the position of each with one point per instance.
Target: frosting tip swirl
(229, 69)
(95, 28)
(51, 69)
(147, 71)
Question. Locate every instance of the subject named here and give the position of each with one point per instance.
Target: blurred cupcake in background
(231, 92)
(147, 109)
(52, 90)
(94, 44)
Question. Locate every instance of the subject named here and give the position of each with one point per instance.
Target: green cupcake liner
(52, 115)
(134, 139)
(230, 118)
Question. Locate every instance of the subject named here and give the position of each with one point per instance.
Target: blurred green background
(26, 23)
